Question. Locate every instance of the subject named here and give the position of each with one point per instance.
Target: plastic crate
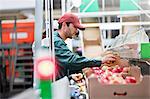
(24, 31)
(145, 50)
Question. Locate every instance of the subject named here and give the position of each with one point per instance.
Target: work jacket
(68, 62)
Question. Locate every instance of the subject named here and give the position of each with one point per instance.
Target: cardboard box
(92, 51)
(91, 34)
(140, 90)
(128, 50)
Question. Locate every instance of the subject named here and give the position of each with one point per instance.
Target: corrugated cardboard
(131, 18)
(92, 51)
(91, 42)
(91, 34)
(128, 50)
(139, 90)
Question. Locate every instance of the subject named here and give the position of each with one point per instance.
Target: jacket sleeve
(72, 60)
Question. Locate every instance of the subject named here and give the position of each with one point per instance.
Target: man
(67, 61)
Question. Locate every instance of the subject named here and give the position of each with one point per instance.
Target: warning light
(45, 68)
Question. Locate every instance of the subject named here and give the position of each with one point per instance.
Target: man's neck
(61, 34)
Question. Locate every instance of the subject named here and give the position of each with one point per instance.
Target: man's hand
(110, 60)
(123, 63)
(113, 59)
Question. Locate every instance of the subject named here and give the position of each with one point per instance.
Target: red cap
(69, 17)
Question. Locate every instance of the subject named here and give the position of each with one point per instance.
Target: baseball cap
(69, 17)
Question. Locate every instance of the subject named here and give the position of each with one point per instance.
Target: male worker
(66, 60)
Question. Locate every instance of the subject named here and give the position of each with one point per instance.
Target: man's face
(72, 31)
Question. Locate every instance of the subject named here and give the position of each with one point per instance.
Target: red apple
(95, 68)
(126, 69)
(130, 79)
(104, 80)
(117, 70)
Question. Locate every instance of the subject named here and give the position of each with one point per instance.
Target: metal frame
(37, 34)
(0, 31)
(11, 58)
(38, 31)
(104, 13)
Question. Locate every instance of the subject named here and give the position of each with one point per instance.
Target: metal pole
(46, 18)
(103, 32)
(12, 60)
(140, 8)
(38, 33)
(118, 24)
(15, 29)
(121, 31)
(0, 31)
(49, 28)
(110, 13)
(52, 36)
(38, 23)
(63, 7)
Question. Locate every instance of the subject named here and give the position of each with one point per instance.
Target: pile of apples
(113, 75)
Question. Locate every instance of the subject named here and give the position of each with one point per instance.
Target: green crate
(145, 50)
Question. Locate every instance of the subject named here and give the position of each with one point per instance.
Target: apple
(130, 79)
(104, 68)
(97, 72)
(93, 75)
(95, 68)
(113, 74)
(126, 69)
(88, 71)
(104, 80)
(114, 82)
(117, 70)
